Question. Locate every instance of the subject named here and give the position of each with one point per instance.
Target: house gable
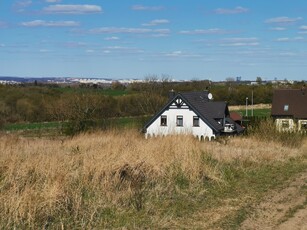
(171, 104)
(178, 103)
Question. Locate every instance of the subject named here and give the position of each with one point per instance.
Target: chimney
(171, 94)
(303, 90)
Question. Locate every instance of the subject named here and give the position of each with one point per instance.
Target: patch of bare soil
(256, 106)
(284, 209)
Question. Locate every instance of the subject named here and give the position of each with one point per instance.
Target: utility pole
(246, 101)
(252, 102)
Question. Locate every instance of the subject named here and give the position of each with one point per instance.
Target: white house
(192, 113)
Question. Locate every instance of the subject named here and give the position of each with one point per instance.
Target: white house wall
(291, 124)
(202, 131)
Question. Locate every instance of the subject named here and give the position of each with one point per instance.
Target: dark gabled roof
(207, 110)
(200, 101)
(295, 99)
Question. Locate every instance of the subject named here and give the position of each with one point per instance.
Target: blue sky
(196, 39)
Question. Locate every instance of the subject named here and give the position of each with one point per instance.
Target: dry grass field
(118, 179)
(256, 106)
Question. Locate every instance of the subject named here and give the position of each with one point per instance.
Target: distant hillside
(10, 79)
(31, 79)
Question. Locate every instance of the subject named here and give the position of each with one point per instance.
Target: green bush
(74, 127)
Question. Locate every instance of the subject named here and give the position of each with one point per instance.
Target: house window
(286, 108)
(285, 124)
(304, 125)
(179, 121)
(163, 120)
(195, 121)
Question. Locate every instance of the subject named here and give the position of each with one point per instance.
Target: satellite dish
(210, 97)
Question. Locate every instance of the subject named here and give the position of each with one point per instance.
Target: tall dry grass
(265, 130)
(83, 181)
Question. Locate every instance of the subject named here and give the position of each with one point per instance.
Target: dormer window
(286, 108)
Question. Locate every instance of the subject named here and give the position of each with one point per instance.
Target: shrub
(266, 130)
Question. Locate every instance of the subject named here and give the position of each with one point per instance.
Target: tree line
(40, 103)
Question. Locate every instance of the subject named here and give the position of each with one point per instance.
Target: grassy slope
(29, 126)
(56, 128)
(119, 179)
(256, 112)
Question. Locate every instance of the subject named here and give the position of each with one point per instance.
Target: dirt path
(283, 209)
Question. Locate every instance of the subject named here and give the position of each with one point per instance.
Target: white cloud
(44, 51)
(20, 6)
(252, 39)
(283, 20)
(278, 28)
(124, 30)
(160, 35)
(286, 39)
(156, 22)
(122, 50)
(53, 1)
(237, 10)
(303, 30)
(298, 38)
(283, 39)
(72, 9)
(149, 8)
(161, 31)
(41, 23)
(174, 53)
(111, 38)
(240, 42)
(288, 54)
(116, 47)
(23, 4)
(118, 30)
(180, 54)
(75, 44)
(206, 32)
